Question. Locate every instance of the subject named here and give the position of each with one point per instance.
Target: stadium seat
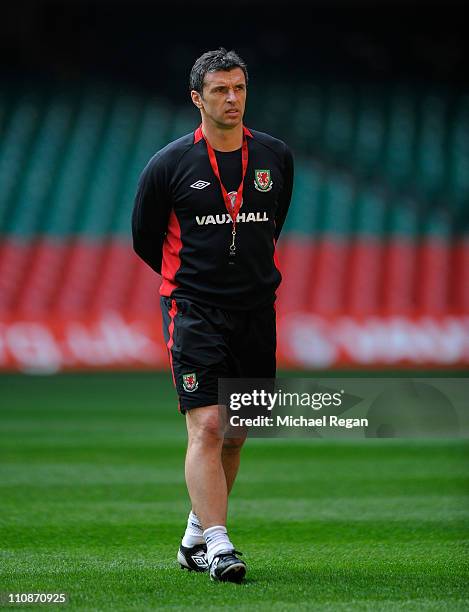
(370, 139)
(460, 277)
(81, 276)
(431, 171)
(15, 145)
(144, 296)
(42, 278)
(14, 258)
(105, 182)
(339, 122)
(399, 162)
(66, 200)
(116, 278)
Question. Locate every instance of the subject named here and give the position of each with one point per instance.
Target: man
(208, 211)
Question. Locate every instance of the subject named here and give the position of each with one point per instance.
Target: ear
(196, 98)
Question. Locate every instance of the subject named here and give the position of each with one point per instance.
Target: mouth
(232, 111)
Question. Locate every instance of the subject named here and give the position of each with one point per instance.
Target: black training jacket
(181, 227)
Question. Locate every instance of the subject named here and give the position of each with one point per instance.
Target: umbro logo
(200, 185)
(200, 560)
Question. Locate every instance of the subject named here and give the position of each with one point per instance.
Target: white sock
(217, 541)
(194, 533)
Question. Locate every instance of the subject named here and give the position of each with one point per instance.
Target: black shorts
(206, 343)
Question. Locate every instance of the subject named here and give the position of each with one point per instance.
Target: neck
(223, 139)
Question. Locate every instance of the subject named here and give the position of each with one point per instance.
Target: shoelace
(229, 552)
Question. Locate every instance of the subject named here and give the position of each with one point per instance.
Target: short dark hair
(211, 61)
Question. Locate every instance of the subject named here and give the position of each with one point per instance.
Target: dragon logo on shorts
(190, 382)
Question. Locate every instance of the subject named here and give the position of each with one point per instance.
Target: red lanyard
(233, 209)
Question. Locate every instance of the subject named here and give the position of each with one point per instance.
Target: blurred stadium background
(372, 98)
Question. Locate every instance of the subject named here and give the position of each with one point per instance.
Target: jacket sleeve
(150, 215)
(285, 195)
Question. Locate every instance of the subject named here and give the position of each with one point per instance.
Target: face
(223, 98)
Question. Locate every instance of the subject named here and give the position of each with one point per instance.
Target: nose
(231, 96)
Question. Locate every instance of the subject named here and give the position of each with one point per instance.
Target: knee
(208, 431)
(233, 445)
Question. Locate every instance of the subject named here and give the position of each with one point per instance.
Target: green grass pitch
(93, 503)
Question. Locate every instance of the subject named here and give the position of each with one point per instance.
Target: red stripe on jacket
(172, 313)
(171, 261)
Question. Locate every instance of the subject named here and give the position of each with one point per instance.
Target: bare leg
(230, 457)
(205, 477)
